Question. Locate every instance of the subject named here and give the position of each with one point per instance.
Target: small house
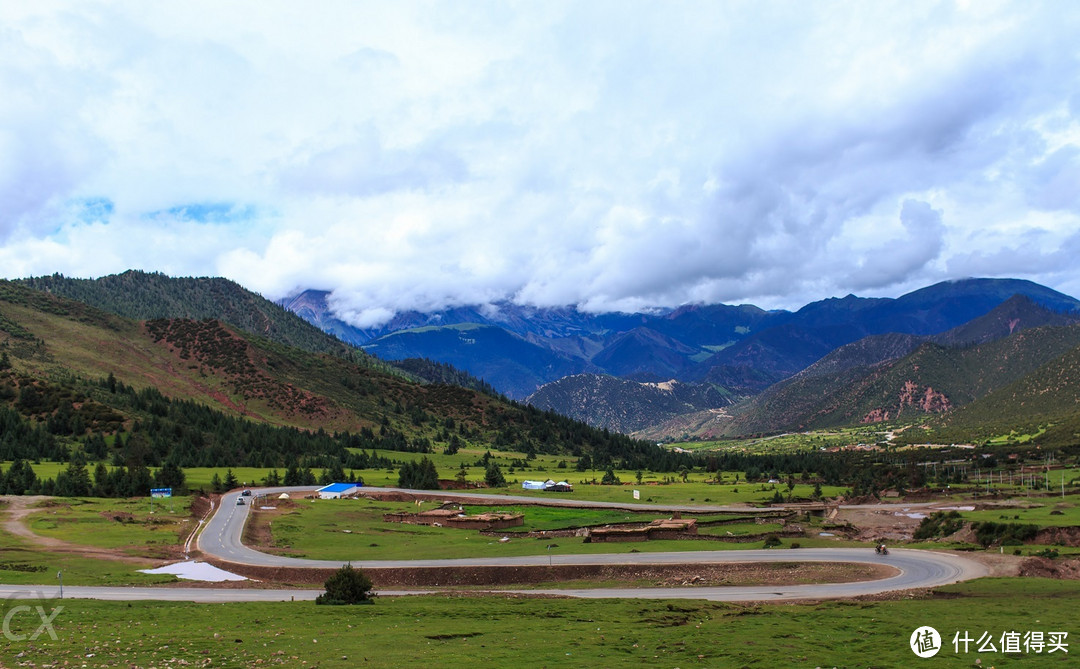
(337, 490)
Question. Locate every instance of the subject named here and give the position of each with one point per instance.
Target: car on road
(246, 493)
(239, 501)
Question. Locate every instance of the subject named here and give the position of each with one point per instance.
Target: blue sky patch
(94, 209)
(207, 212)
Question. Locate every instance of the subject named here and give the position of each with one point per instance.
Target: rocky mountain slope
(624, 405)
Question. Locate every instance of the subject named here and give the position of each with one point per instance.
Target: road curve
(221, 539)
(916, 569)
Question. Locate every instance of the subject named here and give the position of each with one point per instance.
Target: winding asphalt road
(917, 569)
(221, 539)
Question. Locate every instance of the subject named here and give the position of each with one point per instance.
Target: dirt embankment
(200, 506)
(1043, 567)
(1058, 536)
(777, 573)
(257, 529)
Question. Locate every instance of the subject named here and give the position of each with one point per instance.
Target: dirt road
(13, 521)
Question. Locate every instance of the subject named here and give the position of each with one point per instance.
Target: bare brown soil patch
(200, 506)
(1045, 568)
(1058, 536)
(257, 533)
(998, 564)
(880, 524)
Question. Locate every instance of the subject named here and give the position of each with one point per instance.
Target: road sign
(161, 492)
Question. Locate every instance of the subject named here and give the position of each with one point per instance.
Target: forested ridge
(148, 438)
(147, 296)
(192, 393)
(150, 295)
(968, 392)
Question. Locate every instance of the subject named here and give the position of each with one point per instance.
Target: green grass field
(799, 441)
(101, 523)
(546, 518)
(24, 564)
(739, 529)
(355, 530)
(126, 524)
(494, 631)
(699, 488)
(1049, 512)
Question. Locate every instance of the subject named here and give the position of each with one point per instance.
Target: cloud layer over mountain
(613, 155)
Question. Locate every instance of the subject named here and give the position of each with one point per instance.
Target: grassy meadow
(354, 529)
(698, 487)
(496, 631)
(796, 441)
(126, 524)
(22, 563)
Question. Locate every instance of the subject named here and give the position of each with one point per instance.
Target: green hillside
(144, 296)
(1044, 404)
(202, 392)
(932, 380)
(151, 295)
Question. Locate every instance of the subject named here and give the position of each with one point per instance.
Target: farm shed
(337, 490)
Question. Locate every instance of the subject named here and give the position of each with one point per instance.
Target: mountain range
(738, 369)
(188, 390)
(743, 349)
(930, 357)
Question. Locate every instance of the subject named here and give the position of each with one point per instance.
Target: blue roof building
(336, 490)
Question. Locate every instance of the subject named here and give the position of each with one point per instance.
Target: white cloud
(609, 155)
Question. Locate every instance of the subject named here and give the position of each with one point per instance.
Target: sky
(616, 156)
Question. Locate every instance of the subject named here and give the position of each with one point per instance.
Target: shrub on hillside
(990, 532)
(346, 586)
(938, 524)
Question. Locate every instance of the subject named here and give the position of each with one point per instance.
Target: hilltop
(149, 295)
(152, 295)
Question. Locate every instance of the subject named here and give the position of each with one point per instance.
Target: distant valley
(737, 369)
